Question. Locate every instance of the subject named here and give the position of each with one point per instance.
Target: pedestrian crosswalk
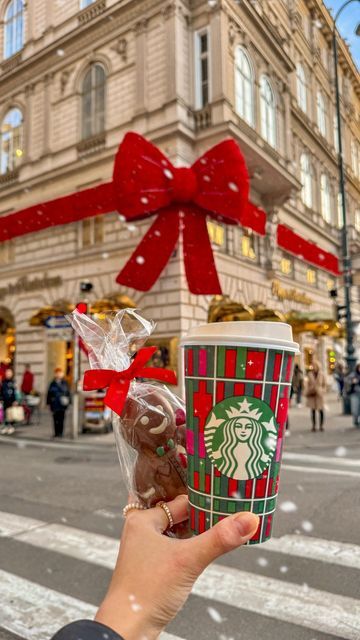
(34, 611)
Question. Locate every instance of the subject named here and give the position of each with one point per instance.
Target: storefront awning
(111, 302)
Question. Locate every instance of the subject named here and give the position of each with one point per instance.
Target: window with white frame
(202, 69)
(244, 87)
(325, 198)
(13, 28)
(11, 140)
(357, 220)
(306, 180)
(85, 3)
(93, 101)
(340, 219)
(354, 157)
(321, 112)
(301, 87)
(267, 111)
(336, 133)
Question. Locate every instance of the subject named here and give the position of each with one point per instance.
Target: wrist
(127, 618)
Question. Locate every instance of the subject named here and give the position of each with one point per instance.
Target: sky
(347, 23)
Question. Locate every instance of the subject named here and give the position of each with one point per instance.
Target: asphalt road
(60, 519)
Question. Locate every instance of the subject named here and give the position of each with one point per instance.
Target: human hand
(154, 574)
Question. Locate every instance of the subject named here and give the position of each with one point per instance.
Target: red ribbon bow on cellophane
(145, 183)
(118, 382)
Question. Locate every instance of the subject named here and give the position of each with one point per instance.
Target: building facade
(75, 76)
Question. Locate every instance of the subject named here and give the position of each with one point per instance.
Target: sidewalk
(339, 430)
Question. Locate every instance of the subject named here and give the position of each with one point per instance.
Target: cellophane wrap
(150, 432)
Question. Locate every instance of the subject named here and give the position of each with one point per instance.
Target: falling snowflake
(140, 259)
(340, 452)
(157, 233)
(284, 568)
(168, 174)
(105, 255)
(122, 218)
(60, 52)
(262, 562)
(288, 506)
(136, 607)
(307, 526)
(215, 615)
(300, 487)
(233, 186)
(131, 227)
(144, 200)
(63, 519)
(39, 478)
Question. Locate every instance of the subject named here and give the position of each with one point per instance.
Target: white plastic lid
(255, 333)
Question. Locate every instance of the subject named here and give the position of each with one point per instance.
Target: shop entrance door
(60, 353)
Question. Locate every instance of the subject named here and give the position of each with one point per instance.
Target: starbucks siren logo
(240, 437)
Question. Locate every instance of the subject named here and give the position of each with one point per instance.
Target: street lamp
(350, 349)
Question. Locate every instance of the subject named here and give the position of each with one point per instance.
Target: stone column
(30, 22)
(29, 92)
(270, 241)
(288, 142)
(217, 57)
(47, 113)
(170, 19)
(141, 75)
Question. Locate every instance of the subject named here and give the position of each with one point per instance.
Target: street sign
(57, 322)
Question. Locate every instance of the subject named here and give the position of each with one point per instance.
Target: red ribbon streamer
(118, 382)
(308, 251)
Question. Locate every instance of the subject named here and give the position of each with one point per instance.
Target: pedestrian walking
(339, 375)
(316, 387)
(353, 384)
(58, 399)
(27, 386)
(297, 385)
(9, 396)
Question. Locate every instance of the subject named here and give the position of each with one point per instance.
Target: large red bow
(216, 185)
(118, 382)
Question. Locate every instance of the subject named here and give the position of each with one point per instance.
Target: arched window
(11, 140)
(306, 181)
(325, 198)
(93, 101)
(301, 87)
(321, 113)
(340, 219)
(13, 28)
(267, 111)
(244, 87)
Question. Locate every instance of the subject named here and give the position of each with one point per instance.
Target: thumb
(226, 535)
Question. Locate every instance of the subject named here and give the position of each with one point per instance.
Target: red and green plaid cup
(237, 384)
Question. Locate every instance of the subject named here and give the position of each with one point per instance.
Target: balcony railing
(9, 177)
(202, 118)
(92, 11)
(91, 145)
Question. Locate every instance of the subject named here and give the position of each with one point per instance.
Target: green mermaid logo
(241, 436)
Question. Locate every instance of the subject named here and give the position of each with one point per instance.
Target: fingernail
(246, 523)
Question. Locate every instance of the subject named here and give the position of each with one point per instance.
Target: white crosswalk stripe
(278, 599)
(347, 555)
(35, 612)
(286, 601)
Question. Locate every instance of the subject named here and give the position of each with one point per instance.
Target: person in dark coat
(9, 396)
(58, 399)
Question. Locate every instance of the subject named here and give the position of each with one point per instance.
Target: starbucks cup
(237, 385)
